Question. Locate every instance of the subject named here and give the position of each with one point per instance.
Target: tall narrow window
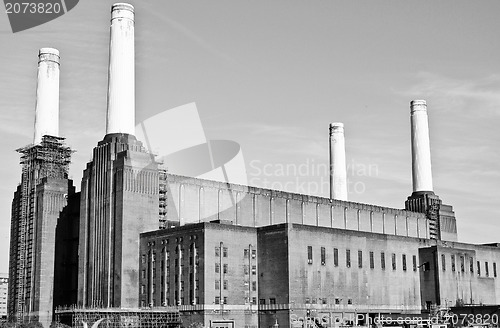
(453, 263)
(217, 251)
(486, 269)
(372, 261)
(217, 284)
(478, 268)
(336, 257)
(217, 267)
(414, 262)
(404, 262)
(443, 262)
(462, 263)
(393, 261)
(309, 254)
(348, 258)
(360, 259)
(323, 256)
(494, 269)
(471, 265)
(225, 268)
(382, 260)
(224, 251)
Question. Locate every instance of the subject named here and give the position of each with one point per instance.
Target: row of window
(225, 268)
(177, 240)
(360, 259)
(462, 260)
(166, 302)
(167, 286)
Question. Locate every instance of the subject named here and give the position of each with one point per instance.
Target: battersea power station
(141, 247)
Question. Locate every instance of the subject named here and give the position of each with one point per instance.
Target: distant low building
(4, 287)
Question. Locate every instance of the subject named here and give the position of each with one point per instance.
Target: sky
(271, 76)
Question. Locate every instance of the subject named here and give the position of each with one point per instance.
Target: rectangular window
(309, 254)
(225, 299)
(225, 268)
(143, 274)
(225, 284)
(245, 269)
(272, 301)
(337, 301)
(478, 268)
(143, 258)
(224, 252)
(404, 262)
(335, 257)
(471, 265)
(217, 251)
(323, 256)
(254, 253)
(414, 262)
(360, 259)
(254, 270)
(217, 284)
(348, 258)
(486, 269)
(393, 261)
(254, 286)
(443, 261)
(217, 267)
(453, 263)
(217, 300)
(254, 300)
(462, 263)
(245, 253)
(153, 257)
(494, 269)
(372, 261)
(382, 260)
(262, 301)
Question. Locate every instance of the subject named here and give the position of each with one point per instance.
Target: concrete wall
(242, 282)
(193, 200)
(50, 201)
(461, 286)
(373, 289)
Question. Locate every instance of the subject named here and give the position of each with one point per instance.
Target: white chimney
(47, 95)
(121, 75)
(338, 174)
(420, 147)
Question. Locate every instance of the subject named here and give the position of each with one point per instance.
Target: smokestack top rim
(418, 106)
(118, 7)
(336, 124)
(48, 51)
(418, 103)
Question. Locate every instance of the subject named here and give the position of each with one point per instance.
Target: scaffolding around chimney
(49, 159)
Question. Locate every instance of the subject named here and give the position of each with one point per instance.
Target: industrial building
(141, 247)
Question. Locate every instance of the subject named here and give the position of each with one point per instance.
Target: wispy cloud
(455, 94)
